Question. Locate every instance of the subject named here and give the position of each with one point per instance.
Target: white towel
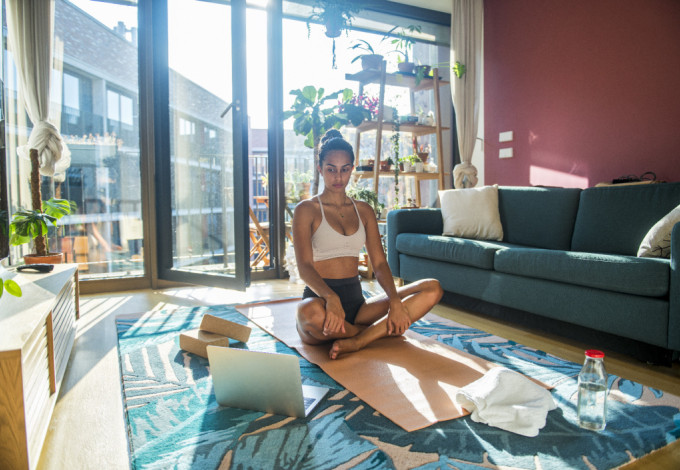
(508, 400)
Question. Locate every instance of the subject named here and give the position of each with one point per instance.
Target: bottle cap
(594, 353)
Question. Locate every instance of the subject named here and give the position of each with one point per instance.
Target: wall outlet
(505, 153)
(506, 136)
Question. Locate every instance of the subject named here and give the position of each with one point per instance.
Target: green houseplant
(367, 195)
(335, 15)
(403, 43)
(27, 225)
(370, 60)
(314, 113)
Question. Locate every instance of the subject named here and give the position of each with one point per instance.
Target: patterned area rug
(174, 421)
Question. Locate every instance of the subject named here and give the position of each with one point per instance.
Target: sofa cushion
(538, 217)
(615, 219)
(626, 274)
(471, 213)
(657, 242)
(475, 253)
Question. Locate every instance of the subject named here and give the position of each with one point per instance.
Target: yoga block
(197, 341)
(225, 328)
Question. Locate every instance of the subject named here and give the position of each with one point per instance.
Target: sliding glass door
(201, 142)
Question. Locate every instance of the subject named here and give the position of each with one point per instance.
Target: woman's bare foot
(342, 346)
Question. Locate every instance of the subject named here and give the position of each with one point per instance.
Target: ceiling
(438, 5)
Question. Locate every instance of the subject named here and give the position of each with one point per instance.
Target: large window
(94, 101)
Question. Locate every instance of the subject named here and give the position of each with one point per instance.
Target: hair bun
(331, 134)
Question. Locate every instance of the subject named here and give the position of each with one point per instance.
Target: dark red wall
(590, 88)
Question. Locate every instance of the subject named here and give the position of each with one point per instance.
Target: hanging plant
(335, 15)
(396, 136)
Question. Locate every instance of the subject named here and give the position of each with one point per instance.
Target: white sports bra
(327, 243)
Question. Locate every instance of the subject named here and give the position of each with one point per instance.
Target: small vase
(423, 156)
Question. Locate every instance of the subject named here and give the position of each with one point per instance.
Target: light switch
(505, 153)
(505, 136)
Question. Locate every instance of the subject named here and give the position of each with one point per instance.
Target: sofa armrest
(428, 221)
(674, 292)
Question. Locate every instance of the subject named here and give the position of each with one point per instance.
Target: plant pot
(385, 165)
(406, 67)
(423, 156)
(334, 27)
(419, 167)
(425, 69)
(408, 167)
(49, 258)
(371, 61)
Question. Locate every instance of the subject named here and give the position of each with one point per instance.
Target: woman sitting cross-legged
(329, 230)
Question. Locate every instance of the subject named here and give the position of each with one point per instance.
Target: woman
(329, 230)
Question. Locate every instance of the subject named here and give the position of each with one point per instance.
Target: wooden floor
(88, 430)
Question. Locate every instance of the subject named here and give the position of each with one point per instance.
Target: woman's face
(336, 170)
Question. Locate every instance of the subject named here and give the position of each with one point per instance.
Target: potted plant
(424, 153)
(313, 116)
(359, 108)
(335, 15)
(27, 225)
(369, 59)
(367, 195)
(403, 45)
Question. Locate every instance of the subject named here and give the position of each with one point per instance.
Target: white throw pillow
(657, 242)
(472, 213)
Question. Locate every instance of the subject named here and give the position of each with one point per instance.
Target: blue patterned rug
(174, 421)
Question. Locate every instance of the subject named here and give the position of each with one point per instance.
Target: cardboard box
(197, 341)
(224, 327)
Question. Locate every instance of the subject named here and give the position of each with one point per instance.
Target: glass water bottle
(592, 392)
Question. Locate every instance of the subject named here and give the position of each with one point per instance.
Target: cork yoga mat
(411, 379)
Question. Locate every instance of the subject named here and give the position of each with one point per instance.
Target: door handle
(234, 104)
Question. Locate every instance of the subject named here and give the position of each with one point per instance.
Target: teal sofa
(568, 256)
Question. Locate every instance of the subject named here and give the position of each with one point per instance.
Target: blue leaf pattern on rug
(174, 421)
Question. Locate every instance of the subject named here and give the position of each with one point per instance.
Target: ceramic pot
(419, 167)
(371, 61)
(406, 67)
(49, 258)
(423, 156)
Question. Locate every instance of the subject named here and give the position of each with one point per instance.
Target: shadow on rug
(174, 421)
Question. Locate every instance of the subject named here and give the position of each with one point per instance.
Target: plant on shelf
(367, 195)
(27, 225)
(370, 60)
(358, 108)
(335, 15)
(396, 141)
(313, 116)
(403, 43)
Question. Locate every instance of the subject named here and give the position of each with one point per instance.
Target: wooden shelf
(416, 129)
(405, 80)
(418, 176)
(380, 124)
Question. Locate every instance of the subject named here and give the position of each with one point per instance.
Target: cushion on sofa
(657, 242)
(538, 217)
(475, 253)
(471, 213)
(626, 274)
(615, 219)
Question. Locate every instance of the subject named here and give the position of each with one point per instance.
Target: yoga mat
(410, 379)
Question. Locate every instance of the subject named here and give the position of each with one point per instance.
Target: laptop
(261, 381)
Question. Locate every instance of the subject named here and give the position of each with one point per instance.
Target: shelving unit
(385, 79)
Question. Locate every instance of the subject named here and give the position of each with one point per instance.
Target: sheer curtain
(467, 24)
(30, 26)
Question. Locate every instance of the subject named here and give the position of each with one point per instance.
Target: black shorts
(350, 293)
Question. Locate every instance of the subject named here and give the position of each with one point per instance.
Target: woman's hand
(398, 320)
(335, 316)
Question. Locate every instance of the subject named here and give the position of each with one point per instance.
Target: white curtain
(467, 23)
(29, 27)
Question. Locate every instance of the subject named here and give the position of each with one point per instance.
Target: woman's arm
(398, 320)
(303, 219)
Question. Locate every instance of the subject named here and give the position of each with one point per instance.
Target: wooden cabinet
(405, 81)
(37, 331)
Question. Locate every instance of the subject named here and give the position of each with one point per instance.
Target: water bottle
(592, 392)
